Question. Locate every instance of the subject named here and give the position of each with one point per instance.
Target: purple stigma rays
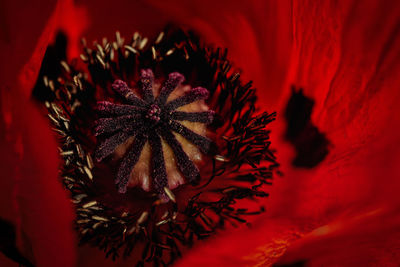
(153, 119)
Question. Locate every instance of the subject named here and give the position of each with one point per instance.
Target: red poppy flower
(336, 205)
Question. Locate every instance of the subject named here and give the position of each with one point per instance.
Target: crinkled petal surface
(348, 62)
(346, 57)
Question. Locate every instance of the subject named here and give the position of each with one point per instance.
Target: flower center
(145, 137)
(153, 113)
(154, 138)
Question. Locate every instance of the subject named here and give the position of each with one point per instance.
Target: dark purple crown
(151, 119)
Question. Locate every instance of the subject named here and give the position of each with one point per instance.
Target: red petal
(260, 245)
(367, 238)
(46, 212)
(26, 31)
(346, 56)
(43, 209)
(22, 38)
(256, 33)
(353, 81)
(124, 16)
(37, 202)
